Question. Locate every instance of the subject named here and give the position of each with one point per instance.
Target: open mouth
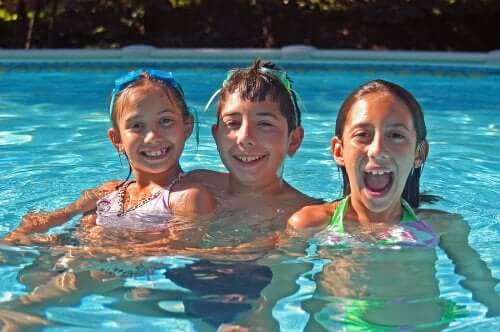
(249, 159)
(155, 154)
(378, 182)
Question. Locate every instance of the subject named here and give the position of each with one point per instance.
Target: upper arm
(310, 218)
(195, 200)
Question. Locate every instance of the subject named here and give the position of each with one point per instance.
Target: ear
(114, 137)
(215, 128)
(188, 127)
(295, 140)
(337, 151)
(421, 154)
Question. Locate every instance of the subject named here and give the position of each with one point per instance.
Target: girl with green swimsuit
(382, 253)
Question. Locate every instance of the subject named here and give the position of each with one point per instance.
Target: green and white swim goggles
(125, 81)
(278, 74)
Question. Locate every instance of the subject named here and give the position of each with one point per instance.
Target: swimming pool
(53, 118)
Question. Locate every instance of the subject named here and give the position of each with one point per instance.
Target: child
(380, 146)
(150, 124)
(258, 125)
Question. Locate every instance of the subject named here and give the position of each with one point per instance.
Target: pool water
(53, 145)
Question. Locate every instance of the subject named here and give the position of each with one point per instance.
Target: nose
(152, 136)
(245, 135)
(377, 148)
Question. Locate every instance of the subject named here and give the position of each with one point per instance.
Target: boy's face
(378, 150)
(253, 140)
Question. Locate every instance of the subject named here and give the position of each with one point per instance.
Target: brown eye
(232, 124)
(165, 122)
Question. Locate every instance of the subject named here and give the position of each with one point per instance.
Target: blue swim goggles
(130, 78)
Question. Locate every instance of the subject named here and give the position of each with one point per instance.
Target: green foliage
(389, 24)
(7, 16)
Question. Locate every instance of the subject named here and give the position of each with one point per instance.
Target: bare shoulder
(313, 216)
(88, 198)
(109, 186)
(442, 221)
(188, 198)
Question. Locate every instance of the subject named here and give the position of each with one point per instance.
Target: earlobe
(296, 137)
(214, 131)
(337, 151)
(114, 137)
(421, 154)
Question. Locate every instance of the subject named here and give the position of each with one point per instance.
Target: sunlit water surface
(53, 145)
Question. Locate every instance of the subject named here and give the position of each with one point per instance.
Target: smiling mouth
(378, 182)
(249, 159)
(155, 154)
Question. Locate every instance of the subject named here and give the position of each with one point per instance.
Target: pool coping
(289, 53)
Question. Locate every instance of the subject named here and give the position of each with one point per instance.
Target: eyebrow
(139, 115)
(260, 114)
(270, 114)
(392, 126)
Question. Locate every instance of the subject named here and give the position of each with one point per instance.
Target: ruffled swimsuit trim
(410, 231)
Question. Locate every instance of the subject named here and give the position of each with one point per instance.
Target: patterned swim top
(409, 232)
(150, 214)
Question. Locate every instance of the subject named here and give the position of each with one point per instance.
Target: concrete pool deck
(288, 53)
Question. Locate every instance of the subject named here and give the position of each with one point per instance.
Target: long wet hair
(258, 83)
(411, 192)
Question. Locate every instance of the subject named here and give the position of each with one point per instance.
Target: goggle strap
(210, 101)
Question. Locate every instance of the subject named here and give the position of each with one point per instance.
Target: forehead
(380, 108)
(148, 96)
(235, 105)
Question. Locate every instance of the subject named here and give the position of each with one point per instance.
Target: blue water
(53, 145)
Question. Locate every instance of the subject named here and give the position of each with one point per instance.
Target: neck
(359, 212)
(161, 179)
(274, 187)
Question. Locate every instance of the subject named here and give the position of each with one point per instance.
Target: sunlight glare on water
(53, 145)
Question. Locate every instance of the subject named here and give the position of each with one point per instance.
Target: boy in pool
(380, 146)
(150, 125)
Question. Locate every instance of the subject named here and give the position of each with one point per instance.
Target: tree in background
(354, 24)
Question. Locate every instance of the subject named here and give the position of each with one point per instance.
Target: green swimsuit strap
(408, 213)
(337, 220)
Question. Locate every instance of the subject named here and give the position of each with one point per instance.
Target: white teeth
(248, 159)
(377, 172)
(157, 153)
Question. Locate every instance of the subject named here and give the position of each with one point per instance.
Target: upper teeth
(248, 158)
(155, 153)
(378, 172)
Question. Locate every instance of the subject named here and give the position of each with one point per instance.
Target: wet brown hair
(256, 84)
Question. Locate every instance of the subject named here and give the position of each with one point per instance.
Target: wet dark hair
(257, 83)
(411, 191)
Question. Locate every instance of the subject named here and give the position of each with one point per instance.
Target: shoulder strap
(337, 220)
(408, 214)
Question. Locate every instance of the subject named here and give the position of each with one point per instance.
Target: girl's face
(253, 140)
(151, 131)
(378, 150)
